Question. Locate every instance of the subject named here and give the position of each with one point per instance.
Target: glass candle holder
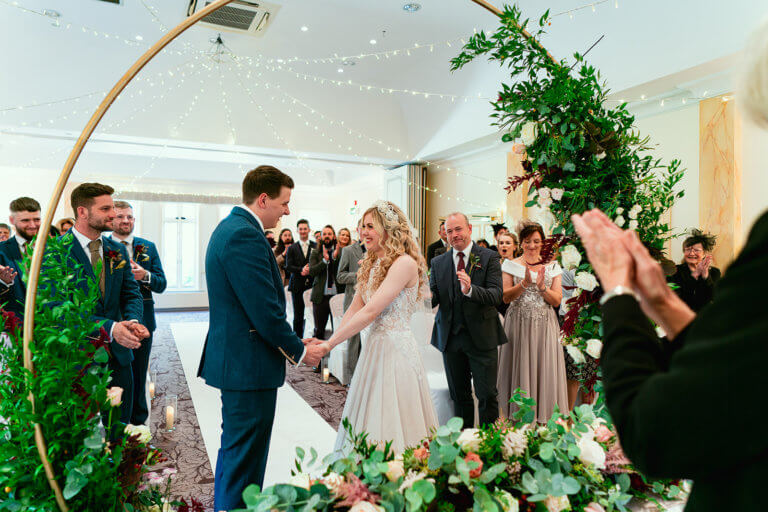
(171, 412)
(152, 383)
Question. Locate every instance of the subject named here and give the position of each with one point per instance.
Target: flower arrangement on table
(574, 462)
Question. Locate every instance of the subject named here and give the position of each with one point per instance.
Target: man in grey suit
(347, 274)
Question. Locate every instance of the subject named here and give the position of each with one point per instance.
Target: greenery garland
(581, 155)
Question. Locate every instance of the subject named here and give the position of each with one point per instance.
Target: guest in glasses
(695, 276)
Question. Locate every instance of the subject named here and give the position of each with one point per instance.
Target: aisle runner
(296, 423)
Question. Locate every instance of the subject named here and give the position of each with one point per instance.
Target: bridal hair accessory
(386, 210)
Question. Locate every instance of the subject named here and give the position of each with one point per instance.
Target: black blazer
(697, 293)
(480, 316)
(294, 262)
(318, 269)
(435, 249)
(675, 403)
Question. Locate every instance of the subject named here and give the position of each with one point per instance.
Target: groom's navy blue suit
(244, 356)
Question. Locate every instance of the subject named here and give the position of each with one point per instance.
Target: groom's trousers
(247, 418)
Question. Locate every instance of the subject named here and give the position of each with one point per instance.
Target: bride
(389, 395)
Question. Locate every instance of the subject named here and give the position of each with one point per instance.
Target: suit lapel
(450, 276)
(80, 257)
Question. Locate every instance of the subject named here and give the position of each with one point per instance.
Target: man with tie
(148, 272)
(347, 274)
(106, 262)
(25, 218)
(297, 265)
(323, 264)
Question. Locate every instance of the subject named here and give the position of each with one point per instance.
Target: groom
(248, 339)
(466, 285)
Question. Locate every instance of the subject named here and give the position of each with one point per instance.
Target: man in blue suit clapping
(249, 339)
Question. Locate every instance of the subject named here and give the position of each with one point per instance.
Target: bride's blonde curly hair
(397, 239)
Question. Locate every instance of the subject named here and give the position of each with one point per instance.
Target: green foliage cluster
(575, 143)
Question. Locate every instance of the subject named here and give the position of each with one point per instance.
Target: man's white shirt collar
(21, 241)
(128, 239)
(261, 224)
(467, 250)
(84, 240)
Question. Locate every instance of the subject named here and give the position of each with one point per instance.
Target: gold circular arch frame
(37, 256)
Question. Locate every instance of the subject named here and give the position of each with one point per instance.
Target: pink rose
(473, 457)
(421, 453)
(594, 507)
(603, 434)
(115, 396)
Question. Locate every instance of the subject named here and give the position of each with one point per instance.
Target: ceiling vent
(243, 17)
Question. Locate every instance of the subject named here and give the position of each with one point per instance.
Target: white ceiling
(173, 121)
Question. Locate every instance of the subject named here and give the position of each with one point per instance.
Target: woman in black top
(695, 277)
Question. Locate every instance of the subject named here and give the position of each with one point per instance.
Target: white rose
(529, 133)
(544, 193)
(545, 202)
(585, 281)
(575, 354)
(620, 221)
(557, 193)
(591, 452)
(557, 503)
(633, 224)
(300, 480)
(570, 257)
(594, 347)
(145, 435)
(365, 506)
(633, 214)
(333, 482)
(619, 210)
(508, 502)
(396, 470)
(469, 440)
(514, 444)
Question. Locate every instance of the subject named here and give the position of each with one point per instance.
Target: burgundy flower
(113, 255)
(353, 490)
(10, 321)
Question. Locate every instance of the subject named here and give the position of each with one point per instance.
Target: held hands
(123, 334)
(305, 270)
(316, 350)
(138, 271)
(465, 281)
(7, 275)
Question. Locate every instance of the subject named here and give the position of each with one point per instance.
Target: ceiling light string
(377, 88)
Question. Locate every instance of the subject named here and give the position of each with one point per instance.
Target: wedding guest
(25, 219)
(297, 267)
(121, 305)
(498, 230)
(482, 243)
(343, 239)
(147, 270)
(466, 285)
(318, 237)
(347, 275)
(5, 232)
(695, 276)
(53, 232)
(715, 357)
(270, 236)
(65, 224)
(439, 247)
(533, 360)
(281, 249)
(323, 265)
(507, 248)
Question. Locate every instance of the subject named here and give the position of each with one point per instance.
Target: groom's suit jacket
(478, 312)
(122, 298)
(248, 339)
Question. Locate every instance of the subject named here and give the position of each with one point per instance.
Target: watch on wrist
(615, 292)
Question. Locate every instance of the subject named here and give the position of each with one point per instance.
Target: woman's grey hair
(752, 92)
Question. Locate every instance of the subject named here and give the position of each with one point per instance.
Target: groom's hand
(309, 341)
(315, 353)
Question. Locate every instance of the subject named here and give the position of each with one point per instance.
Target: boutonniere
(116, 261)
(474, 262)
(140, 253)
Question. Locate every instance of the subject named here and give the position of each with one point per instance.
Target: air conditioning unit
(240, 16)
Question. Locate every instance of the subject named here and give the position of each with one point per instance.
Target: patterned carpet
(184, 447)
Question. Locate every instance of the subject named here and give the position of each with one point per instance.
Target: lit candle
(169, 417)
(326, 374)
(151, 390)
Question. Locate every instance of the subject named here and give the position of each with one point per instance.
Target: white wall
(754, 176)
(35, 183)
(675, 135)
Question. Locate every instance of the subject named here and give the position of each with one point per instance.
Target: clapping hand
(325, 253)
(540, 284)
(527, 279)
(7, 275)
(138, 271)
(702, 268)
(465, 281)
(305, 270)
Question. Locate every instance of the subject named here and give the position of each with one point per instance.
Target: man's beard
(23, 234)
(100, 226)
(121, 232)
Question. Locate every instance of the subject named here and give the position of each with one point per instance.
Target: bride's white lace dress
(389, 394)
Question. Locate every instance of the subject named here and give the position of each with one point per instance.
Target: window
(224, 211)
(181, 251)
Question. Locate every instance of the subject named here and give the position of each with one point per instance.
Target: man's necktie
(460, 265)
(94, 247)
